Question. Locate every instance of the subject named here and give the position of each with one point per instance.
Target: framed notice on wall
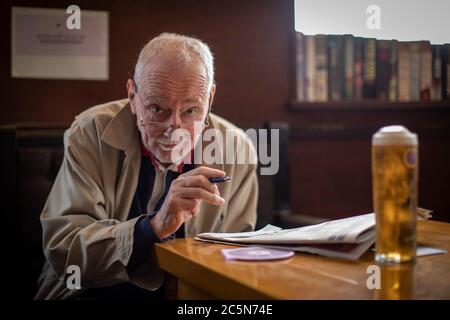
(59, 44)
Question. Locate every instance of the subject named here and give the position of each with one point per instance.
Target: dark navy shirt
(143, 233)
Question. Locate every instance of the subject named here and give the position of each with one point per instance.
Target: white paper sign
(43, 46)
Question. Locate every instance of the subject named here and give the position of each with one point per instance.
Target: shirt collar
(158, 165)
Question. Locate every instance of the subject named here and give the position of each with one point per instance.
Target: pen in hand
(220, 179)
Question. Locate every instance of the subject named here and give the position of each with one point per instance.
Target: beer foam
(394, 135)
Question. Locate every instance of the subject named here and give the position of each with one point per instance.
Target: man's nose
(175, 120)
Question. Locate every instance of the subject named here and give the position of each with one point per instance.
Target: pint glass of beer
(397, 282)
(394, 177)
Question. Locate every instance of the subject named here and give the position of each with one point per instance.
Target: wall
(249, 40)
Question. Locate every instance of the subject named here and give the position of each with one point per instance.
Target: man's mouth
(167, 146)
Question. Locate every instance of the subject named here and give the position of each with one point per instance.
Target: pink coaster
(256, 254)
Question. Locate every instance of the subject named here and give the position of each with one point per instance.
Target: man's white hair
(186, 49)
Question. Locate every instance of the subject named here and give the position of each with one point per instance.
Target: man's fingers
(187, 204)
(200, 193)
(200, 181)
(205, 171)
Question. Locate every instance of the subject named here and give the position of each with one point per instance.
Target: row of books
(345, 67)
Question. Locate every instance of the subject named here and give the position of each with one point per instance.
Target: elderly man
(119, 190)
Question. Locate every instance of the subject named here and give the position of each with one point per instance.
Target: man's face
(169, 96)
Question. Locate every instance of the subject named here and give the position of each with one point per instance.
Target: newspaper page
(356, 229)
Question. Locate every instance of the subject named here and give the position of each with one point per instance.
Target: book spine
(335, 47)
(358, 68)
(341, 67)
(436, 88)
(446, 71)
(403, 72)
(321, 83)
(414, 66)
(349, 65)
(310, 67)
(301, 66)
(425, 70)
(393, 77)
(383, 68)
(370, 68)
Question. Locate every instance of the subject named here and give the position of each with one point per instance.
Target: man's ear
(213, 92)
(131, 94)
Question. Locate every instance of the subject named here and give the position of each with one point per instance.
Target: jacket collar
(122, 133)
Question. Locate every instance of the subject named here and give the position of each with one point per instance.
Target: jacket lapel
(122, 134)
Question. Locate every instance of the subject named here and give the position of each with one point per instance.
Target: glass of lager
(397, 282)
(394, 177)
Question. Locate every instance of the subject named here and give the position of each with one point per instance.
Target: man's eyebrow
(155, 98)
(193, 100)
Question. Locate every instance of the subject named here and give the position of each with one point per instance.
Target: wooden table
(202, 272)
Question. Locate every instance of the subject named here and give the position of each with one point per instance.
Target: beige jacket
(84, 220)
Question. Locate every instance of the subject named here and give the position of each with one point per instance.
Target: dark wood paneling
(250, 41)
(253, 47)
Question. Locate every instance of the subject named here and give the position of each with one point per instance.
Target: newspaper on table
(347, 238)
(424, 214)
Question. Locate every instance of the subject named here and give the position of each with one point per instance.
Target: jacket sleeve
(241, 212)
(76, 227)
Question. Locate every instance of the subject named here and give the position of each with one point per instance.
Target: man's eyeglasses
(158, 116)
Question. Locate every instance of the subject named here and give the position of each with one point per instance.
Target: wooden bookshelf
(356, 119)
(369, 105)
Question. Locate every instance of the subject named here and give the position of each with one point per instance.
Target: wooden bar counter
(200, 271)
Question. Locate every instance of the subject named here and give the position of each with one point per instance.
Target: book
(358, 69)
(300, 66)
(321, 81)
(414, 85)
(426, 59)
(383, 68)
(393, 79)
(349, 63)
(436, 88)
(335, 48)
(310, 45)
(445, 71)
(404, 72)
(370, 68)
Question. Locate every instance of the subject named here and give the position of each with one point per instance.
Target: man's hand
(183, 199)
